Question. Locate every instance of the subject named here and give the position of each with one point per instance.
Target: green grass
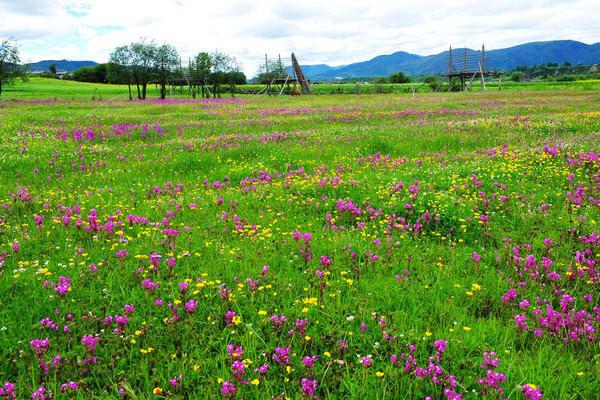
(236, 178)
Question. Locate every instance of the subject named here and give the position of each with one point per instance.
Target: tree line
(140, 64)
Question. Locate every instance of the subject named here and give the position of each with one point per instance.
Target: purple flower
(191, 306)
(69, 386)
(7, 391)
(309, 388)
(282, 355)
(40, 394)
(228, 389)
(309, 361)
(531, 392)
(367, 361)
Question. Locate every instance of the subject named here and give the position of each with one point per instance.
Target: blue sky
(334, 32)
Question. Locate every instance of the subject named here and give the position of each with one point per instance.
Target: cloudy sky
(318, 31)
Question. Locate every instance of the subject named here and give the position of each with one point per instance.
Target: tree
(517, 76)
(200, 69)
(143, 61)
(221, 65)
(399, 77)
(120, 67)
(432, 81)
(52, 69)
(95, 74)
(10, 68)
(166, 61)
(139, 59)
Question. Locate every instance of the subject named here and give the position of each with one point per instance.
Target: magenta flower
(309, 388)
(69, 387)
(309, 361)
(367, 361)
(282, 355)
(531, 392)
(191, 306)
(90, 343)
(41, 394)
(7, 391)
(228, 389)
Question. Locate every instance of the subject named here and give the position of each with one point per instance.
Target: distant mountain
(558, 51)
(61, 65)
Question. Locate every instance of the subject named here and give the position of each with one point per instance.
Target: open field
(376, 246)
(44, 88)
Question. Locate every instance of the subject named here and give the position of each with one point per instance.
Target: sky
(318, 31)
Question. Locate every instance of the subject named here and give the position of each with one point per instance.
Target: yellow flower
(428, 333)
(327, 354)
(262, 313)
(467, 328)
(255, 381)
(157, 390)
(379, 374)
(532, 386)
(580, 373)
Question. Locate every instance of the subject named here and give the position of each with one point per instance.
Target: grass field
(44, 88)
(375, 246)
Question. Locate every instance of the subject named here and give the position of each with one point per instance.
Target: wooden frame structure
(285, 76)
(466, 65)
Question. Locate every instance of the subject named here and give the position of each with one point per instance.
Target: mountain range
(61, 65)
(558, 51)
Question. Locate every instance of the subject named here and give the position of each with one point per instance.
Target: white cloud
(334, 31)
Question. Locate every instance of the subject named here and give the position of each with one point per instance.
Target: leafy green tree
(166, 61)
(221, 65)
(121, 66)
(517, 76)
(200, 69)
(95, 74)
(432, 81)
(10, 68)
(52, 69)
(399, 77)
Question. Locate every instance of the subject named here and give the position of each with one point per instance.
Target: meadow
(441, 246)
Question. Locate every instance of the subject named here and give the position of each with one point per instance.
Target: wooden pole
(482, 67)
(449, 66)
(464, 70)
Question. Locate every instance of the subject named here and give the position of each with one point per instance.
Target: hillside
(61, 65)
(559, 51)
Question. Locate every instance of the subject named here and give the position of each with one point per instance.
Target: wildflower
(282, 355)
(228, 389)
(367, 361)
(309, 361)
(531, 392)
(69, 387)
(231, 318)
(7, 391)
(191, 306)
(90, 343)
(41, 394)
(309, 387)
